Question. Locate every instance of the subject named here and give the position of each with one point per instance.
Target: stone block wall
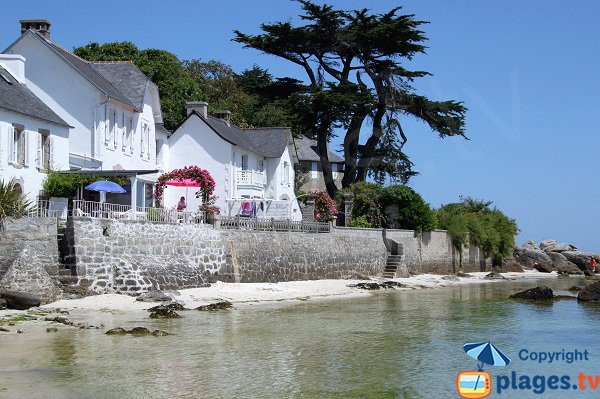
(35, 235)
(132, 257)
(281, 256)
(427, 252)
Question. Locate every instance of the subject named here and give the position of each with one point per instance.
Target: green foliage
(413, 212)
(360, 221)
(253, 97)
(474, 221)
(66, 184)
(365, 202)
(355, 65)
(300, 179)
(12, 203)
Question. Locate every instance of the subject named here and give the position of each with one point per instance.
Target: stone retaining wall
(281, 256)
(427, 252)
(133, 257)
(35, 235)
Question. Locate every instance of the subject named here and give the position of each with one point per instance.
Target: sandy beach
(97, 310)
(241, 294)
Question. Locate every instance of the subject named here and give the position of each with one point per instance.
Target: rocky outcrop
(535, 294)
(215, 306)
(26, 275)
(581, 259)
(590, 293)
(562, 264)
(529, 258)
(19, 300)
(555, 246)
(531, 245)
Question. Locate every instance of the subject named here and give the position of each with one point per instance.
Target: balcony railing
(251, 178)
(244, 223)
(105, 210)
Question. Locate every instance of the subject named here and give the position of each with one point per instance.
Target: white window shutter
(11, 144)
(26, 148)
(105, 124)
(51, 152)
(2, 151)
(38, 155)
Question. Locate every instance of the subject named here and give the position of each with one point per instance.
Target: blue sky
(526, 71)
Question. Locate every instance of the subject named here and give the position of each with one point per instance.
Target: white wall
(194, 143)
(84, 107)
(30, 177)
(64, 90)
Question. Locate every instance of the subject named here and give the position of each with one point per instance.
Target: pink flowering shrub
(204, 179)
(325, 207)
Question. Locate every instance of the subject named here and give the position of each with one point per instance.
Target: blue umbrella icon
(486, 353)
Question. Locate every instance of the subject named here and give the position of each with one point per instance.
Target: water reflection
(391, 345)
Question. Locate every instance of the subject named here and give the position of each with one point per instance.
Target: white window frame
(244, 161)
(18, 148)
(314, 170)
(43, 158)
(334, 170)
(124, 132)
(130, 134)
(111, 130)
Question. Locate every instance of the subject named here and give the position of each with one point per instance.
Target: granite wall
(35, 235)
(427, 252)
(282, 256)
(132, 257)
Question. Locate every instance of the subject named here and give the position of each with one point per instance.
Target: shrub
(66, 184)
(12, 203)
(360, 221)
(325, 208)
(476, 222)
(413, 212)
(365, 202)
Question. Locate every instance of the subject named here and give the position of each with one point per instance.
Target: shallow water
(402, 344)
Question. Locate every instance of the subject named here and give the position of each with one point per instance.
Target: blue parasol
(105, 186)
(486, 353)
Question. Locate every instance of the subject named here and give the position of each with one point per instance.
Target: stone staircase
(67, 273)
(393, 263)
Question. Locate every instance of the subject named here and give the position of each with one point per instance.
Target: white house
(33, 138)
(249, 166)
(113, 108)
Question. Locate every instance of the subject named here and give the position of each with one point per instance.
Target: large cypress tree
(353, 61)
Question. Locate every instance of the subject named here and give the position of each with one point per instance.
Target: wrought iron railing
(245, 223)
(105, 210)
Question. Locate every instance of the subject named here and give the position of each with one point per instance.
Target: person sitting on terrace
(181, 204)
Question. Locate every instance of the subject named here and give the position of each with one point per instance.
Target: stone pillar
(333, 222)
(308, 211)
(348, 197)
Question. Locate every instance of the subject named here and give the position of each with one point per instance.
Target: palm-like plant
(12, 203)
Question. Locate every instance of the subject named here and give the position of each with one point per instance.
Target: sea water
(393, 344)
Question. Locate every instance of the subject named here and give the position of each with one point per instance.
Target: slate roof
(125, 76)
(159, 127)
(85, 68)
(307, 151)
(268, 142)
(16, 97)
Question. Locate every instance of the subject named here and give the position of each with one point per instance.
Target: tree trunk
(323, 151)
